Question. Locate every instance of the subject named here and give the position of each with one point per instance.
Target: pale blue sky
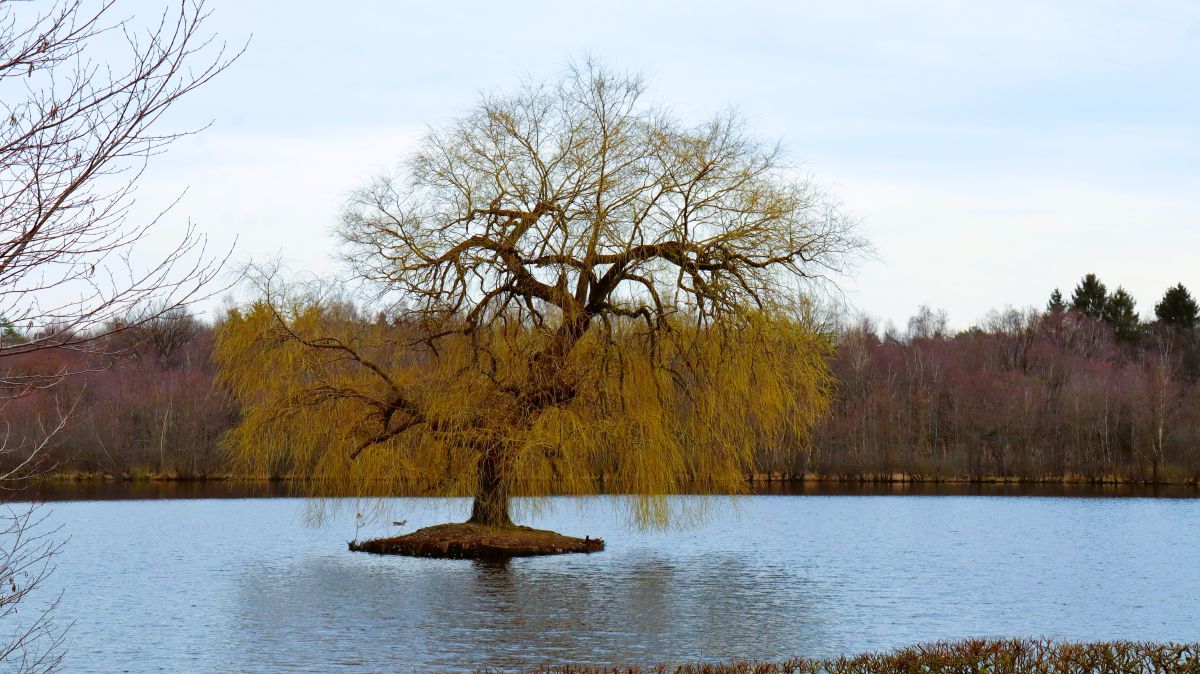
(992, 150)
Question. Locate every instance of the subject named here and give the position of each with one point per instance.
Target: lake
(246, 585)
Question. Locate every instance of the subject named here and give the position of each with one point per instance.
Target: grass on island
(1009, 656)
(476, 541)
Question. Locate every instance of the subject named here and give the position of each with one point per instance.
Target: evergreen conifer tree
(1120, 312)
(1055, 305)
(1089, 297)
(1178, 308)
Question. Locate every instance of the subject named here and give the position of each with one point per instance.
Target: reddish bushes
(149, 406)
(1014, 656)
(1026, 395)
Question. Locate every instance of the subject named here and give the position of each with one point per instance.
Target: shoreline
(771, 479)
(101, 489)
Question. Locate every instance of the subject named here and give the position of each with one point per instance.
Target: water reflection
(458, 614)
(117, 490)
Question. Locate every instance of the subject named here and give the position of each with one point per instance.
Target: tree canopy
(1055, 304)
(578, 292)
(1120, 311)
(1090, 297)
(1177, 308)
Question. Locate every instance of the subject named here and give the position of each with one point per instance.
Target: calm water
(245, 585)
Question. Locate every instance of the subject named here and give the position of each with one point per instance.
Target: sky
(991, 151)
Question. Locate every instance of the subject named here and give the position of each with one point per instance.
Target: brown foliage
(1026, 395)
(155, 411)
(1012, 656)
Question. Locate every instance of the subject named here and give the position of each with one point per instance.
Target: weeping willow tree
(578, 292)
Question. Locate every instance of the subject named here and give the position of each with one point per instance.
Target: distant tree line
(1083, 390)
(142, 402)
(1080, 390)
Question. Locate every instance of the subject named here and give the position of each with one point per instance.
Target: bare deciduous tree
(75, 136)
(581, 290)
(27, 549)
(76, 133)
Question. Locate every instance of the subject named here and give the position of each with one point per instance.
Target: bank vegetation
(1011, 656)
(1026, 395)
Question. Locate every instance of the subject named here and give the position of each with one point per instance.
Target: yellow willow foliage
(686, 408)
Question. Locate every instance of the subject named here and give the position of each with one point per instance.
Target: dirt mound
(476, 541)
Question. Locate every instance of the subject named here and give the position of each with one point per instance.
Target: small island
(478, 541)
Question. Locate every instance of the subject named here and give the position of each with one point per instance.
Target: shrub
(1009, 656)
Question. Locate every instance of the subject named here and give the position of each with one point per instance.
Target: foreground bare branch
(76, 133)
(75, 137)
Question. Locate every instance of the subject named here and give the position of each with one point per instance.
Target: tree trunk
(545, 387)
(491, 495)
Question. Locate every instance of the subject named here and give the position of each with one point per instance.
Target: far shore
(776, 478)
(119, 487)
